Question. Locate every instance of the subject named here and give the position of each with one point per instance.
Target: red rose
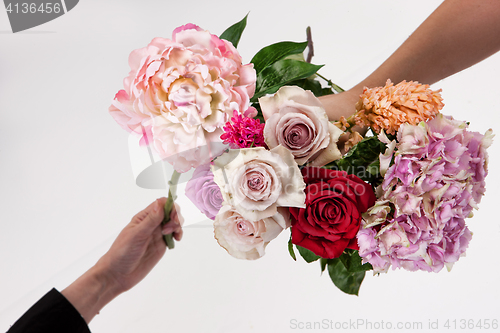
(335, 201)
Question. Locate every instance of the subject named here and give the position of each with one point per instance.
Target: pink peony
(437, 178)
(180, 92)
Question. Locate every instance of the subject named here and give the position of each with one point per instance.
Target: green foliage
(280, 74)
(352, 262)
(313, 85)
(323, 262)
(282, 64)
(348, 282)
(346, 272)
(309, 83)
(363, 160)
(275, 52)
(234, 32)
(290, 249)
(308, 255)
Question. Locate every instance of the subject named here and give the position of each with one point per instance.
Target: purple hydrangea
(437, 179)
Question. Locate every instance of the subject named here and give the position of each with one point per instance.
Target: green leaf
(308, 255)
(275, 52)
(312, 84)
(352, 262)
(362, 160)
(309, 84)
(259, 115)
(333, 87)
(280, 74)
(323, 262)
(290, 249)
(233, 33)
(327, 91)
(374, 168)
(348, 282)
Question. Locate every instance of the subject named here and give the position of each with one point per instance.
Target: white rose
(245, 239)
(256, 181)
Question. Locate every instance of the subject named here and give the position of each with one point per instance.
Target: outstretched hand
(134, 253)
(140, 245)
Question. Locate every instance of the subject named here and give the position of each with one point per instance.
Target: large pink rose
(296, 119)
(181, 91)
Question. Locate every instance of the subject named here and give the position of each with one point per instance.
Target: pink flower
(244, 239)
(413, 139)
(256, 181)
(204, 192)
(435, 182)
(296, 119)
(180, 93)
(243, 132)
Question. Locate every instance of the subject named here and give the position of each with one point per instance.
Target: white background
(67, 185)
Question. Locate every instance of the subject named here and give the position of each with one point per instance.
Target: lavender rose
(204, 192)
(296, 119)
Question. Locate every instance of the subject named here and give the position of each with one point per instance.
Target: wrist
(91, 292)
(340, 105)
(108, 284)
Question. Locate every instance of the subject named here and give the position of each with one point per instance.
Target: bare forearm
(133, 254)
(457, 35)
(90, 293)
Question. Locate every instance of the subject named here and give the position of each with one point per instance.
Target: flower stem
(332, 85)
(172, 195)
(310, 45)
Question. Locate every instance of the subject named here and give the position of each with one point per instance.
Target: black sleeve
(52, 313)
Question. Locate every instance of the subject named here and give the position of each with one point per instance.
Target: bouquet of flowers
(266, 156)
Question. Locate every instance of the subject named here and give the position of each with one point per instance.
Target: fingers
(176, 214)
(152, 216)
(174, 226)
(178, 234)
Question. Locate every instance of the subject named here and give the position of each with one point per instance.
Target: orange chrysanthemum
(386, 108)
